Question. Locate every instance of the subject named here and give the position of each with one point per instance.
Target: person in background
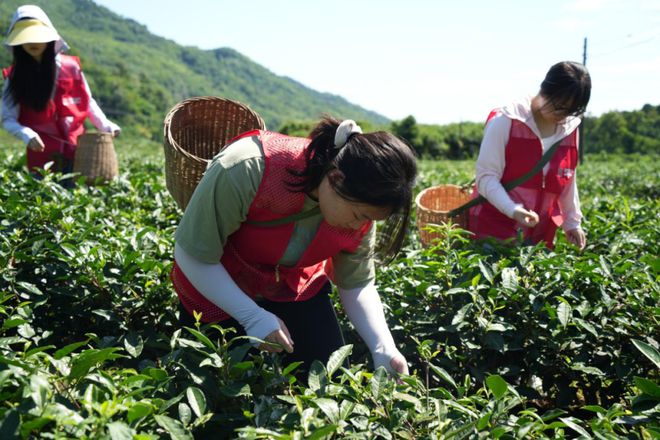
(45, 97)
(515, 138)
(276, 217)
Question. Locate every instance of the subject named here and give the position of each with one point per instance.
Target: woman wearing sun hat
(45, 97)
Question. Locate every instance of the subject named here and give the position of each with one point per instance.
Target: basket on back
(96, 158)
(433, 206)
(195, 131)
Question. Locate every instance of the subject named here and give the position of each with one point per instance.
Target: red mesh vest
(60, 124)
(252, 253)
(540, 194)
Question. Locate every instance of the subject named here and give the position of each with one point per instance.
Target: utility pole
(581, 128)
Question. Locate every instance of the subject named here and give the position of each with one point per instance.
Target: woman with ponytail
(276, 217)
(46, 98)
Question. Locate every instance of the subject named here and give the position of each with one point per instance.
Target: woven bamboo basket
(433, 206)
(96, 158)
(195, 130)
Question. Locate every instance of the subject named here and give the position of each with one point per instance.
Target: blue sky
(440, 61)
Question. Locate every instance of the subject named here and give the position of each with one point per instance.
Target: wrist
(260, 323)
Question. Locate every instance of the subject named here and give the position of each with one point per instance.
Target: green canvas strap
(511, 184)
(288, 219)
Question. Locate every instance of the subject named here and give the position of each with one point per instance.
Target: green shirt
(220, 205)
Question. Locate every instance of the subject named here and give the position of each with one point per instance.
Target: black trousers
(312, 324)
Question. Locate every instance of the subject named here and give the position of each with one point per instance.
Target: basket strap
(513, 183)
(288, 219)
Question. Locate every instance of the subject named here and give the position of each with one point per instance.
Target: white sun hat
(30, 24)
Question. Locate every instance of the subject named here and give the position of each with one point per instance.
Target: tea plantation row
(503, 342)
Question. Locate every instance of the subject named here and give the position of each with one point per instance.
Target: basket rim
(167, 123)
(422, 192)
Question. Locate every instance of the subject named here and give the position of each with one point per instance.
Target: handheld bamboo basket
(433, 206)
(195, 130)
(96, 158)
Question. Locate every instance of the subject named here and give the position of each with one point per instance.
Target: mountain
(137, 77)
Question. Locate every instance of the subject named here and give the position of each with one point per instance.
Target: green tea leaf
(197, 400)
(323, 432)
(59, 354)
(134, 344)
(39, 388)
(185, 414)
(378, 382)
(647, 386)
(486, 272)
(509, 278)
(88, 359)
(236, 389)
(329, 408)
(497, 385)
(173, 427)
(120, 431)
(564, 313)
(337, 358)
(201, 337)
(442, 373)
(569, 421)
(648, 351)
(138, 411)
(317, 376)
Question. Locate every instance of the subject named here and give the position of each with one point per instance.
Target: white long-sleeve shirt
(11, 110)
(491, 162)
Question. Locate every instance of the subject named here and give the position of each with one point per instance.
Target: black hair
(31, 82)
(376, 169)
(568, 83)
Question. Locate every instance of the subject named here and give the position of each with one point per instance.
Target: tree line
(635, 131)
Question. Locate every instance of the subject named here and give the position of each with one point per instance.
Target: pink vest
(61, 122)
(540, 194)
(252, 253)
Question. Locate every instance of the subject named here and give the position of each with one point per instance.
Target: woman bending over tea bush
(46, 98)
(515, 138)
(276, 217)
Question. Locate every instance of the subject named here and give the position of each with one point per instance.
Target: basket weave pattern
(433, 205)
(96, 158)
(195, 130)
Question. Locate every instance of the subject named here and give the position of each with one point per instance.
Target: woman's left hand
(577, 237)
(392, 360)
(399, 364)
(116, 133)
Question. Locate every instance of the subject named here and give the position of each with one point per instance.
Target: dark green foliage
(614, 132)
(137, 77)
(502, 342)
(624, 132)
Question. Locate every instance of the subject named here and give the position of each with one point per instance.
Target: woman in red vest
(45, 97)
(276, 217)
(515, 138)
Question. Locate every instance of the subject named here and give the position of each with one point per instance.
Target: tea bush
(503, 342)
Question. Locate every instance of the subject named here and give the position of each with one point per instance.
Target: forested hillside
(137, 77)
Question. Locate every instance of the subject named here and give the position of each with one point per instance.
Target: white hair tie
(344, 131)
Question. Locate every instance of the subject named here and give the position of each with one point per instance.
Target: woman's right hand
(266, 326)
(524, 217)
(278, 339)
(36, 144)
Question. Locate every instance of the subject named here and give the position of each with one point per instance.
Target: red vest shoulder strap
(70, 61)
(492, 114)
(7, 71)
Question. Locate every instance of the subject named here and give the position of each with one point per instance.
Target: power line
(627, 46)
